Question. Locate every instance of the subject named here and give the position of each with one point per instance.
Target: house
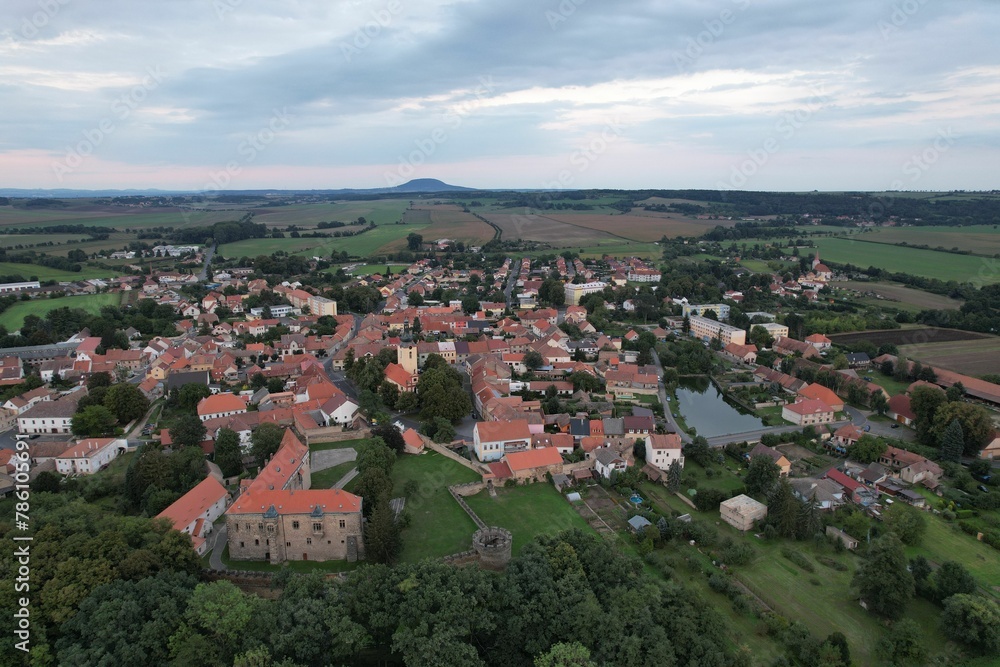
(925, 471)
(991, 450)
(823, 494)
(413, 443)
(607, 462)
(88, 456)
(663, 450)
(220, 405)
(788, 346)
(48, 417)
(899, 410)
(742, 512)
(493, 439)
(856, 491)
(784, 465)
(858, 360)
(819, 341)
(821, 393)
(639, 425)
(843, 438)
(745, 353)
(195, 511)
(807, 412)
(533, 463)
(638, 523)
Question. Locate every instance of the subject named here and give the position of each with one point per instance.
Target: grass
(36, 272)
(887, 382)
(527, 511)
(325, 479)
(438, 526)
(13, 317)
(13, 240)
(382, 211)
(972, 357)
(927, 263)
(944, 541)
(369, 269)
(341, 444)
(979, 239)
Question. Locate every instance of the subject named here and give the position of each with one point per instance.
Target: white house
(607, 461)
(339, 409)
(195, 511)
(88, 456)
(663, 450)
(48, 417)
(220, 405)
(491, 440)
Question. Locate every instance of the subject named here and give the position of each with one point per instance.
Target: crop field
(546, 229)
(382, 211)
(902, 295)
(254, 247)
(34, 271)
(636, 226)
(27, 240)
(978, 239)
(446, 221)
(911, 336)
(971, 357)
(112, 216)
(927, 263)
(13, 317)
(369, 269)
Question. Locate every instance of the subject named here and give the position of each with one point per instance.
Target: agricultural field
(972, 357)
(644, 226)
(907, 336)
(369, 269)
(545, 229)
(13, 317)
(28, 240)
(382, 211)
(36, 272)
(977, 239)
(898, 296)
(927, 263)
(254, 247)
(527, 511)
(94, 215)
(446, 221)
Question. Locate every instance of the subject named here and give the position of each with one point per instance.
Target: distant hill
(427, 185)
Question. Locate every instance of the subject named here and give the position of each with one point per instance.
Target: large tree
(866, 449)
(924, 402)
(264, 442)
(973, 620)
(906, 523)
(441, 393)
(228, 453)
(977, 425)
(382, 542)
(952, 441)
(883, 580)
(762, 475)
(188, 431)
(126, 401)
(191, 394)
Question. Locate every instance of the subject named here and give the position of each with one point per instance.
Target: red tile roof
(842, 479)
(809, 407)
(329, 501)
(533, 458)
(219, 403)
(501, 431)
(665, 441)
(192, 504)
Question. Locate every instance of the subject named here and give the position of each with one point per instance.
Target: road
(753, 436)
(203, 276)
(511, 280)
(860, 419)
(667, 405)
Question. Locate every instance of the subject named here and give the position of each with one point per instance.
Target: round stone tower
(493, 544)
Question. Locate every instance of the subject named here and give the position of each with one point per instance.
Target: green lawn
(527, 511)
(325, 479)
(342, 444)
(887, 382)
(438, 526)
(361, 245)
(369, 269)
(13, 240)
(927, 263)
(36, 272)
(944, 541)
(13, 317)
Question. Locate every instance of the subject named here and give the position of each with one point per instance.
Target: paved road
(511, 280)
(860, 419)
(203, 275)
(667, 405)
(751, 436)
(218, 547)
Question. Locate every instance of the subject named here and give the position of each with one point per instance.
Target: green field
(978, 239)
(109, 216)
(13, 317)
(527, 511)
(361, 245)
(340, 444)
(325, 479)
(369, 269)
(382, 211)
(36, 272)
(927, 263)
(14, 240)
(438, 526)
(944, 541)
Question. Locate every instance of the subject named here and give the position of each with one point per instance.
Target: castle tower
(816, 261)
(406, 356)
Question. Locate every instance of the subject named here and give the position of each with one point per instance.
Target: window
(242, 545)
(309, 540)
(295, 525)
(236, 527)
(288, 544)
(343, 524)
(248, 526)
(256, 543)
(317, 527)
(260, 526)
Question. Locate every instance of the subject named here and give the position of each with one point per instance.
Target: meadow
(24, 240)
(37, 272)
(978, 239)
(13, 317)
(926, 263)
(899, 296)
(382, 211)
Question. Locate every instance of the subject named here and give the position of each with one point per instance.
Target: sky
(315, 94)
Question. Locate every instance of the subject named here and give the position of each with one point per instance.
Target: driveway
(860, 418)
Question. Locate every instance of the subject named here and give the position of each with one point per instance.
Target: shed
(742, 511)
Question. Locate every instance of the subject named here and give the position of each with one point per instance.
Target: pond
(705, 408)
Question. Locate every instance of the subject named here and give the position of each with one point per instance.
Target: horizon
(247, 95)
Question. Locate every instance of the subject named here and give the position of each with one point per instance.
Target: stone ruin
(493, 544)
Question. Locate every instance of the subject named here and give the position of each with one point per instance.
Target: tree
(389, 394)
(900, 645)
(882, 579)
(783, 509)
(470, 304)
(414, 298)
(228, 455)
(375, 453)
(866, 449)
(952, 442)
(441, 393)
(275, 385)
(565, 654)
(414, 241)
(674, 476)
(955, 392)
(760, 337)
(188, 431)
(92, 421)
(222, 612)
(686, 325)
(382, 541)
(444, 432)
(533, 360)
(952, 579)
(879, 403)
(977, 425)
(258, 381)
(265, 441)
(906, 523)
(126, 401)
(973, 620)
(762, 475)
(924, 402)
(190, 395)
(391, 436)
(101, 379)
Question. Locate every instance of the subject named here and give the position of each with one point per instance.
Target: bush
(965, 514)
(831, 563)
(798, 558)
(737, 553)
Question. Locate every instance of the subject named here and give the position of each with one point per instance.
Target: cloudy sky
(744, 94)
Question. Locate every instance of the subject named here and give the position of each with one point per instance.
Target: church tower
(406, 356)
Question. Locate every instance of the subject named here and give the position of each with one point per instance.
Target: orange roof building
(220, 405)
(821, 393)
(195, 511)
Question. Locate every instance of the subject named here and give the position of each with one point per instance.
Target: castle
(277, 517)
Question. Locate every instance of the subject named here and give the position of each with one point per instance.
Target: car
(868, 427)
(868, 379)
(893, 425)
(982, 487)
(398, 424)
